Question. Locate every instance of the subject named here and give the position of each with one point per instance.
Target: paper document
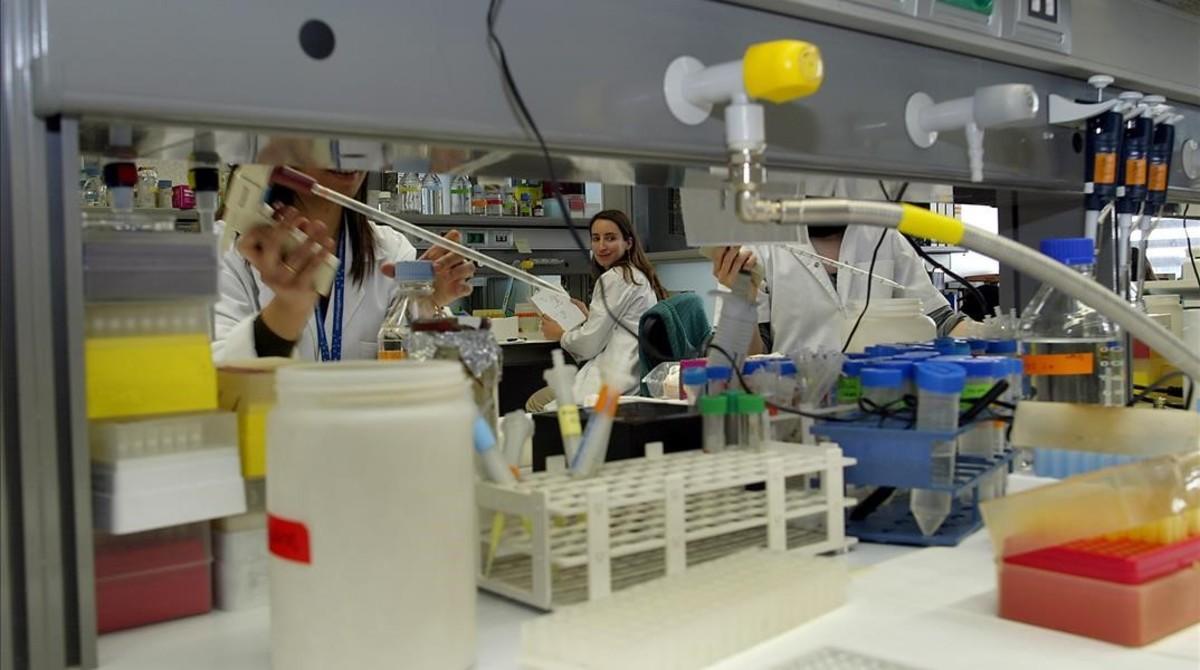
(558, 306)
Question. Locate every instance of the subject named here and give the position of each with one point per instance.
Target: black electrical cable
(968, 416)
(928, 258)
(870, 282)
(1188, 237)
(527, 118)
(1156, 385)
(871, 267)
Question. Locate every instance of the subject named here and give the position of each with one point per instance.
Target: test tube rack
(692, 619)
(567, 540)
(890, 454)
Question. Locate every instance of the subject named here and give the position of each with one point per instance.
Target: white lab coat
(243, 295)
(804, 307)
(600, 341)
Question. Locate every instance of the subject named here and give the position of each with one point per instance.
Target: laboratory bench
(525, 359)
(932, 608)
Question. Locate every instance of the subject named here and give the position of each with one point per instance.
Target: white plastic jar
(371, 516)
(890, 320)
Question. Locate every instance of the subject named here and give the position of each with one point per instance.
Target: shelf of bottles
(421, 199)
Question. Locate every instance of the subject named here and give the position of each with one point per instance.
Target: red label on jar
(288, 539)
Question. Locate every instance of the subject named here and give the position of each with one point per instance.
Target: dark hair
(360, 233)
(635, 257)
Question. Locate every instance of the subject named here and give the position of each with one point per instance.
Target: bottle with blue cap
(849, 386)
(905, 367)
(694, 381)
(939, 387)
(758, 376)
(883, 387)
(1072, 352)
(718, 378)
(414, 283)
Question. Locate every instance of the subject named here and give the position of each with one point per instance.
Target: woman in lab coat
(267, 306)
(627, 287)
(807, 303)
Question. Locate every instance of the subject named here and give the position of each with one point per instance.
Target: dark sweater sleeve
(946, 319)
(268, 343)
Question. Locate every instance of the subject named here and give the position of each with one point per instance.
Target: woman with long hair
(626, 287)
(267, 305)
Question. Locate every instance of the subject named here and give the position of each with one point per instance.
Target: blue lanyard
(339, 289)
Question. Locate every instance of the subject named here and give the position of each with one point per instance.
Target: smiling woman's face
(346, 182)
(608, 244)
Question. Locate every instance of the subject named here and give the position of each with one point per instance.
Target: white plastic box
(165, 471)
(565, 540)
(240, 575)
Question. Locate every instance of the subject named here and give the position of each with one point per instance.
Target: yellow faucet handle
(782, 70)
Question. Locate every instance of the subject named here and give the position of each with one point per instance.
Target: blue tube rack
(890, 454)
(1060, 463)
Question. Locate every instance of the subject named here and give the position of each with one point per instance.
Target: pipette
(561, 379)
(594, 448)
(517, 427)
(301, 183)
(497, 471)
(494, 466)
(846, 266)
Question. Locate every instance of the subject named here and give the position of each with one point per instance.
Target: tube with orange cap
(594, 446)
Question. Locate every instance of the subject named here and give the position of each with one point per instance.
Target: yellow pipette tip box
(149, 374)
(248, 388)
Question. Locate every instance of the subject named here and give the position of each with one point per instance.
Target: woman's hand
(731, 261)
(582, 307)
(451, 273)
(550, 329)
(289, 276)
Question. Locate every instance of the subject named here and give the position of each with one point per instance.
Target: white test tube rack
(568, 540)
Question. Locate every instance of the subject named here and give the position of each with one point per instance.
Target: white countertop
(930, 608)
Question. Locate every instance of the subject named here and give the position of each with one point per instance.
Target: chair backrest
(672, 330)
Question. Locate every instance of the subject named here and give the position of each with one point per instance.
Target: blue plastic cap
(1002, 346)
(857, 356)
(787, 368)
(484, 437)
(905, 367)
(918, 356)
(977, 346)
(414, 271)
(976, 366)
(1070, 250)
(882, 350)
(952, 347)
(719, 372)
(752, 366)
(694, 376)
(854, 368)
(889, 378)
(941, 377)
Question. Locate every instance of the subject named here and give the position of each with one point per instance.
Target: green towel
(672, 330)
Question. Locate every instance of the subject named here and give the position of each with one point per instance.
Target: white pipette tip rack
(689, 620)
(163, 471)
(832, 658)
(565, 540)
